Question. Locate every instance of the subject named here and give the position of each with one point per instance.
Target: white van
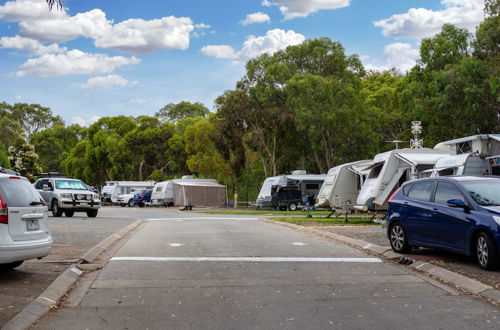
(24, 232)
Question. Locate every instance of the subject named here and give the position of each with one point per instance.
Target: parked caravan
(342, 185)
(485, 145)
(308, 184)
(390, 169)
(465, 164)
(163, 192)
(113, 189)
(199, 194)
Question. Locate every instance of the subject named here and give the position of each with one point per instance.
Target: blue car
(458, 214)
(143, 196)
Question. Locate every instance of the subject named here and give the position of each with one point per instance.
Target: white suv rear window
(19, 193)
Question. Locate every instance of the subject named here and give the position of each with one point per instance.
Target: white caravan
(163, 192)
(113, 189)
(464, 164)
(390, 169)
(309, 184)
(475, 155)
(484, 145)
(342, 185)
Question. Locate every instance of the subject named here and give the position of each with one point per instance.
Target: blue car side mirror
(457, 203)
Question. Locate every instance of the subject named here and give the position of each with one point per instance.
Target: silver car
(67, 195)
(24, 233)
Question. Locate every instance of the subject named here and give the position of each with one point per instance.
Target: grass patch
(304, 221)
(264, 212)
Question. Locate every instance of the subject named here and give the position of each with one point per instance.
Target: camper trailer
(390, 169)
(113, 189)
(342, 185)
(464, 164)
(199, 194)
(163, 192)
(307, 184)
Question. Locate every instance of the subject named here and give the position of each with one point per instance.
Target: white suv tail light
(4, 212)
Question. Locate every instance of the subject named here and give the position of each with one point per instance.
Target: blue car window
(446, 191)
(484, 192)
(421, 191)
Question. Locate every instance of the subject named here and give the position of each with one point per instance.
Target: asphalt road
(223, 272)
(72, 238)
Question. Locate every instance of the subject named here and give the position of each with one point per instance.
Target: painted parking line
(247, 259)
(203, 218)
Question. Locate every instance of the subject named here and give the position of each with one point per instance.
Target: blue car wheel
(397, 237)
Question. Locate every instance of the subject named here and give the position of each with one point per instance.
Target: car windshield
(70, 184)
(484, 192)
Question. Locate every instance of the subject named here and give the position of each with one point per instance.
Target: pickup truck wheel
(56, 211)
(92, 213)
(141, 204)
(292, 207)
(282, 208)
(123, 204)
(69, 213)
(131, 203)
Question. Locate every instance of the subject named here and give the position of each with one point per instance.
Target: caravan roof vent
(187, 177)
(299, 172)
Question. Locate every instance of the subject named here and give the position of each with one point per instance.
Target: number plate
(32, 225)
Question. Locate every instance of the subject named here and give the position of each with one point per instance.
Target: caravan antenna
(397, 142)
(416, 129)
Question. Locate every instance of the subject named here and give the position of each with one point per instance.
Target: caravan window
(464, 147)
(374, 173)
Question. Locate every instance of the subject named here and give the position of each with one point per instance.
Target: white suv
(24, 233)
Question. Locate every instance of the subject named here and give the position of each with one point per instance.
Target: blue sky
(128, 57)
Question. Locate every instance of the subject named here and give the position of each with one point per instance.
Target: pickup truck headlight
(66, 196)
(96, 196)
(497, 220)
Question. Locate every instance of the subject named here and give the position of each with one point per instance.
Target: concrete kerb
(94, 252)
(466, 284)
(51, 297)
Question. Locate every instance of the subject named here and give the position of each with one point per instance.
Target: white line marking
(247, 259)
(300, 243)
(179, 219)
(175, 244)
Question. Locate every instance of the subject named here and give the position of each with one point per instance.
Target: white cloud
(256, 18)
(273, 41)
(31, 45)
(108, 81)
(397, 55)
(138, 36)
(20, 10)
(91, 24)
(84, 122)
(219, 51)
(73, 62)
(420, 22)
(137, 101)
(302, 8)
